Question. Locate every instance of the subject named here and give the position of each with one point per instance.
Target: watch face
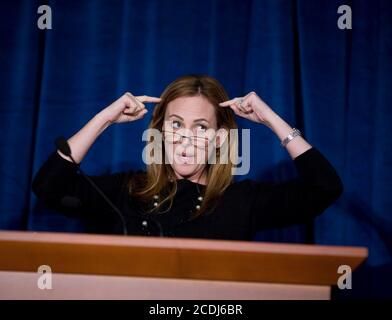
(290, 137)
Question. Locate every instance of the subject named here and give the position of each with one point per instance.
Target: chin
(185, 170)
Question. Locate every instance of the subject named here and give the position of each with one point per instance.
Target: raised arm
(125, 109)
(317, 186)
(251, 107)
(58, 178)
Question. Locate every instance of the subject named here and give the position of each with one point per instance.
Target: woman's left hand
(250, 107)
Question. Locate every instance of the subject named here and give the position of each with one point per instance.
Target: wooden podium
(117, 267)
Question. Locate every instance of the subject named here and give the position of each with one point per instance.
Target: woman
(189, 196)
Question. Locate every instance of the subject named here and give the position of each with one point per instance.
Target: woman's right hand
(127, 108)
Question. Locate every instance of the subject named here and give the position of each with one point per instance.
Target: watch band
(291, 136)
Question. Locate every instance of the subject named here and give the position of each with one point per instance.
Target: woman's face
(186, 117)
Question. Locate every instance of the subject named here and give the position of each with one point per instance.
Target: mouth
(185, 158)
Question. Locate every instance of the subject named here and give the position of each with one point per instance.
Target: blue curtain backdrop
(335, 85)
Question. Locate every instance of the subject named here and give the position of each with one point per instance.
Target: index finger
(148, 99)
(228, 102)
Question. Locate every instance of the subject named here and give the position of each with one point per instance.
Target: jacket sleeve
(60, 186)
(296, 201)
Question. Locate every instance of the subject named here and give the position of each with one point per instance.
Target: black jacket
(246, 207)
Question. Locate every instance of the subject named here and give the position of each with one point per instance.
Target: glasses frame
(192, 138)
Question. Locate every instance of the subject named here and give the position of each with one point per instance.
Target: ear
(221, 136)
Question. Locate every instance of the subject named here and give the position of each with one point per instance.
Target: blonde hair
(159, 179)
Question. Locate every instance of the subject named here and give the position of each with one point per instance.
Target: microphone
(63, 146)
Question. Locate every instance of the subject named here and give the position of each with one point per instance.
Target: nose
(186, 140)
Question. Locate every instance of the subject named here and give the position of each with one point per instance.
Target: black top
(246, 206)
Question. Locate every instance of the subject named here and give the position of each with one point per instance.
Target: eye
(201, 127)
(176, 124)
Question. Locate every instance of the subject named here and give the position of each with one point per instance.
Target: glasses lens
(200, 141)
(174, 137)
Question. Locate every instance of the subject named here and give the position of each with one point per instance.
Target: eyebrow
(196, 120)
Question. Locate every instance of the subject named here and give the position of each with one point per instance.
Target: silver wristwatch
(290, 137)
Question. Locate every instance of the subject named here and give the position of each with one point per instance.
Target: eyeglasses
(175, 137)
